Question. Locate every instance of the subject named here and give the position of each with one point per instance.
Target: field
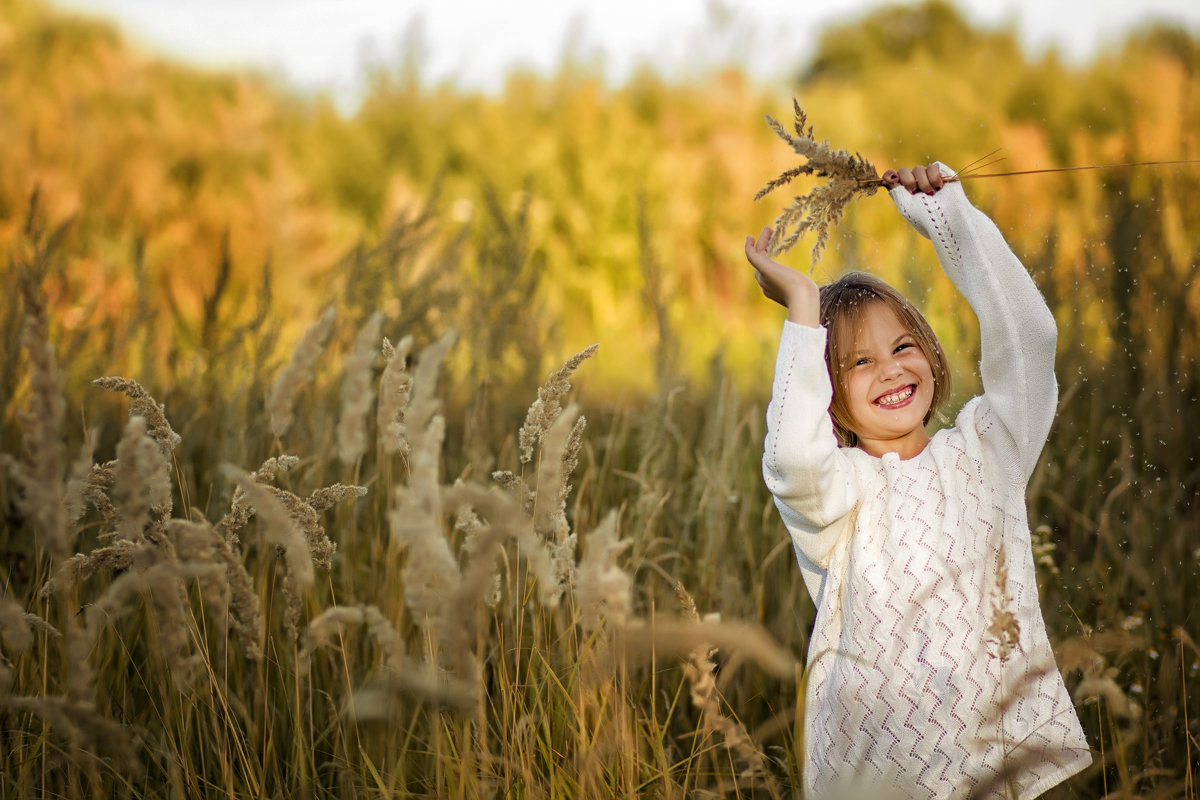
(314, 485)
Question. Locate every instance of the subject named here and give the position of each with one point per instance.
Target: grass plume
(822, 207)
(282, 398)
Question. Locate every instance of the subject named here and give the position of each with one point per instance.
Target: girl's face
(888, 384)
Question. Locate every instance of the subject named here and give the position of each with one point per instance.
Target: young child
(907, 543)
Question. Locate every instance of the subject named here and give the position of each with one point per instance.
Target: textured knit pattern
(906, 688)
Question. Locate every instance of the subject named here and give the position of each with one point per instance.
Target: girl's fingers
(922, 176)
(764, 238)
(927, 179)
(934, 173)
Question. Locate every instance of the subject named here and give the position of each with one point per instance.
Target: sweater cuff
(796, 336)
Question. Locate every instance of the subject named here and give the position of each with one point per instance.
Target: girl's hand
(927, 179)
(792, 289)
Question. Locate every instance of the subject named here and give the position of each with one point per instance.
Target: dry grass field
(314, 486)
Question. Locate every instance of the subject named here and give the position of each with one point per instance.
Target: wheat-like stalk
(281, 529)
(75, 492)
(40, 472)
(356, 394)
(162, 583)
(430, 572)
(822, 207)
(700, 671)
(240, 509)
(141, 404)
(17, 626)
(477, 547)
(548, 406)
(334, 622)
(95, 492)
(142, 484)
(666, 638)
(603, 591)
(282, 398)
(85, 728)
(560, 452)
(1004, 628)
(394, 387)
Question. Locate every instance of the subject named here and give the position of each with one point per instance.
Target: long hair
(843, 303)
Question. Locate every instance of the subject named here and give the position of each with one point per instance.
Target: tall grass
(215, 613)
(258, 587)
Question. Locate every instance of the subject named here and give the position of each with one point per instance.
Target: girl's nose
(890, 368)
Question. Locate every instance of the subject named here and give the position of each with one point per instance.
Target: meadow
(314, 484)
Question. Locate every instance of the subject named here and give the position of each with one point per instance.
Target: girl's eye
(904, 346)
(861, 362)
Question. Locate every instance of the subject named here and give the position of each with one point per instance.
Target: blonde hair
(843, 304)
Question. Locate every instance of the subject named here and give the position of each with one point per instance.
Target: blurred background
(621, 137)
(198, 180)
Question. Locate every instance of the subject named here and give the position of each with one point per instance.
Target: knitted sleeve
(1017, 331)
(811, 479)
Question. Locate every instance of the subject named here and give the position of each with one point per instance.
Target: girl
(912, 547)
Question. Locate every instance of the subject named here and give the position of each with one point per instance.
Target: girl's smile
(889, 385)
(898, 398)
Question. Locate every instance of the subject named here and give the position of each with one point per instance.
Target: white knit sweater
(906, 688)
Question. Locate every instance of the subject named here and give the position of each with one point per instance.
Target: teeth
(898, 396)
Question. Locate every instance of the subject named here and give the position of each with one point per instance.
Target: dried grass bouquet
(823, 206)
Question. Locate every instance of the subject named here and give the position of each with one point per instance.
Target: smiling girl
(909, 543)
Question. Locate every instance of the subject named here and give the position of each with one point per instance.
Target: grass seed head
(548, 406)
(394, 387)
(40, 472)
(282, 530)
(1004, 628)
(335, 622)
(821, 208)
(141, 404)
(142, 484)
(356, 391)
(281, 399)
(603, 591)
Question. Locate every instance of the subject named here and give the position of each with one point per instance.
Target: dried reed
(334, 622)
(142, 484)
(603, 591)
(280, 529)
(17, 626)
(823, 206)
(143, 405)
(356, 391)
(40, 472)
(78, 480)
(546, 408)
(113, 557)
(240, 509)
(1004, 628)
(281, 399)
(560, 451)
(95, 491)
(475, 546)
(700, 671)
(666, 638)
(430, 572)
(394, 387)
(89, 733)
(163, 583)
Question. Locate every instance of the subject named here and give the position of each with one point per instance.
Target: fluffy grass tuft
(822, 207)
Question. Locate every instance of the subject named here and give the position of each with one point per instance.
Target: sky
(323, 44)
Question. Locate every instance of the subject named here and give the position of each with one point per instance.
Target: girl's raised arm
(1017, 330)
(809, 477)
